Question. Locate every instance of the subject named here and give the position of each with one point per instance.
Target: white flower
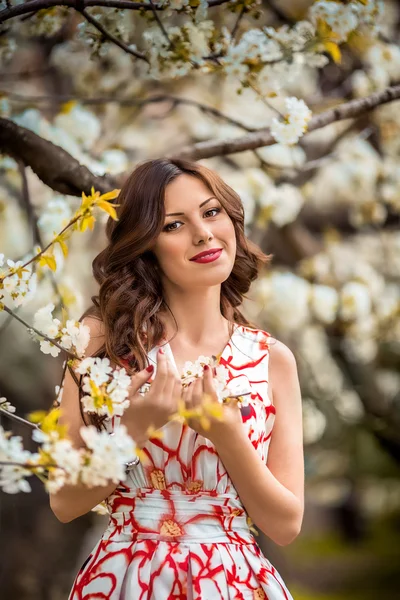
(342, 19)
(355, 301)
(285, 298)
(75, 334)
(283, 203)
(5, 405)
(49, 348)
(324, 303)
(43, 321)
(100, 371)
(295, 124)
(314, 422)
(80, 123)
(349, 406)
(1, 259)
(12, 477)
(109, 455)
(55, 216)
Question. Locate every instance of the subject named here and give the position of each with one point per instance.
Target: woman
(172, 279)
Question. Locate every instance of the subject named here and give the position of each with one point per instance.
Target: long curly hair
(130, 297)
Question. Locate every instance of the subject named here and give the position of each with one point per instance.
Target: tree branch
(53, 165)
(263, 137)
(33, 6)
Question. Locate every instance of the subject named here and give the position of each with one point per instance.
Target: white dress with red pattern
(177, 527)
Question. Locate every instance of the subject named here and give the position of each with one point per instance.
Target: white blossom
(13, 477)
(283, 203)
(285, 300)
(294, 124)
(6, 405)
(48, 348)
(314, 422)
(341, 18)
(324, 302)
(108, 457)
(76, 335)
(355, 301)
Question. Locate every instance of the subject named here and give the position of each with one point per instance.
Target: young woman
(172, 279)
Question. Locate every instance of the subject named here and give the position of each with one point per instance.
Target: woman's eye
(170, 227)
(216, 210)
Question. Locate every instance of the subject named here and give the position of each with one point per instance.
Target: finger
(138, 379)
(197, 393)
(162, 373)
(176, 395)
(170, 384)
(187, 395)
(208, 383)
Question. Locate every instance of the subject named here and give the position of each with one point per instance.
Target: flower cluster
(72, 335)
(101, 460)
(291, 128)
(13, 475)
(187, 46)
(18, 283)
(344, 18)
(224, 388)
(107, 389)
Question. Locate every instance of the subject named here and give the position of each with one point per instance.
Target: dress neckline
(167, 348)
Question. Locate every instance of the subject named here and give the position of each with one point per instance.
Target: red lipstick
(207, 256)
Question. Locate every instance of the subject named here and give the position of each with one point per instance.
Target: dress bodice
(183, 460)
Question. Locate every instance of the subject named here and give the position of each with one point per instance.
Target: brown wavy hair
(130, 297)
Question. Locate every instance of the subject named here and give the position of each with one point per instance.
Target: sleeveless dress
(177, 528)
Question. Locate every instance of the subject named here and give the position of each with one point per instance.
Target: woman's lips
(210, 257)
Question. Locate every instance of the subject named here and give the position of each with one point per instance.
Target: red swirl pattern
(177, 528)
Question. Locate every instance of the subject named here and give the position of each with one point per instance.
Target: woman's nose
(202, 234)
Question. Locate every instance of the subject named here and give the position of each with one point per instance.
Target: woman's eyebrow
(181, 213)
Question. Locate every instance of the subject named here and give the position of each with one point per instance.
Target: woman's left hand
(202, 392)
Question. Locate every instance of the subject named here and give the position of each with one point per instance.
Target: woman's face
(195, 222)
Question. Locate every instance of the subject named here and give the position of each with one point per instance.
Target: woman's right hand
(153, 410)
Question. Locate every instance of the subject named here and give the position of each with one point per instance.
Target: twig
(160, 24)
(236, 26)
(29, 466)
(109, 36)
(176, 100)
(14, 417)
(10, 312)
(37, 238)
(28, 205)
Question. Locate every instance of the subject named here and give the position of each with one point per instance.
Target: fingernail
(150, 368)
(161, 351)
(206, 367)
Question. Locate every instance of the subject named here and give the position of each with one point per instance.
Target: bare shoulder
(281, 356)
(97, 334)
(282, 368)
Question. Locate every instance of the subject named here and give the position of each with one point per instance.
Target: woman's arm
(72, 501)
(272, 493)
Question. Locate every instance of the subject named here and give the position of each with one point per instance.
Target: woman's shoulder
(257, 335)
